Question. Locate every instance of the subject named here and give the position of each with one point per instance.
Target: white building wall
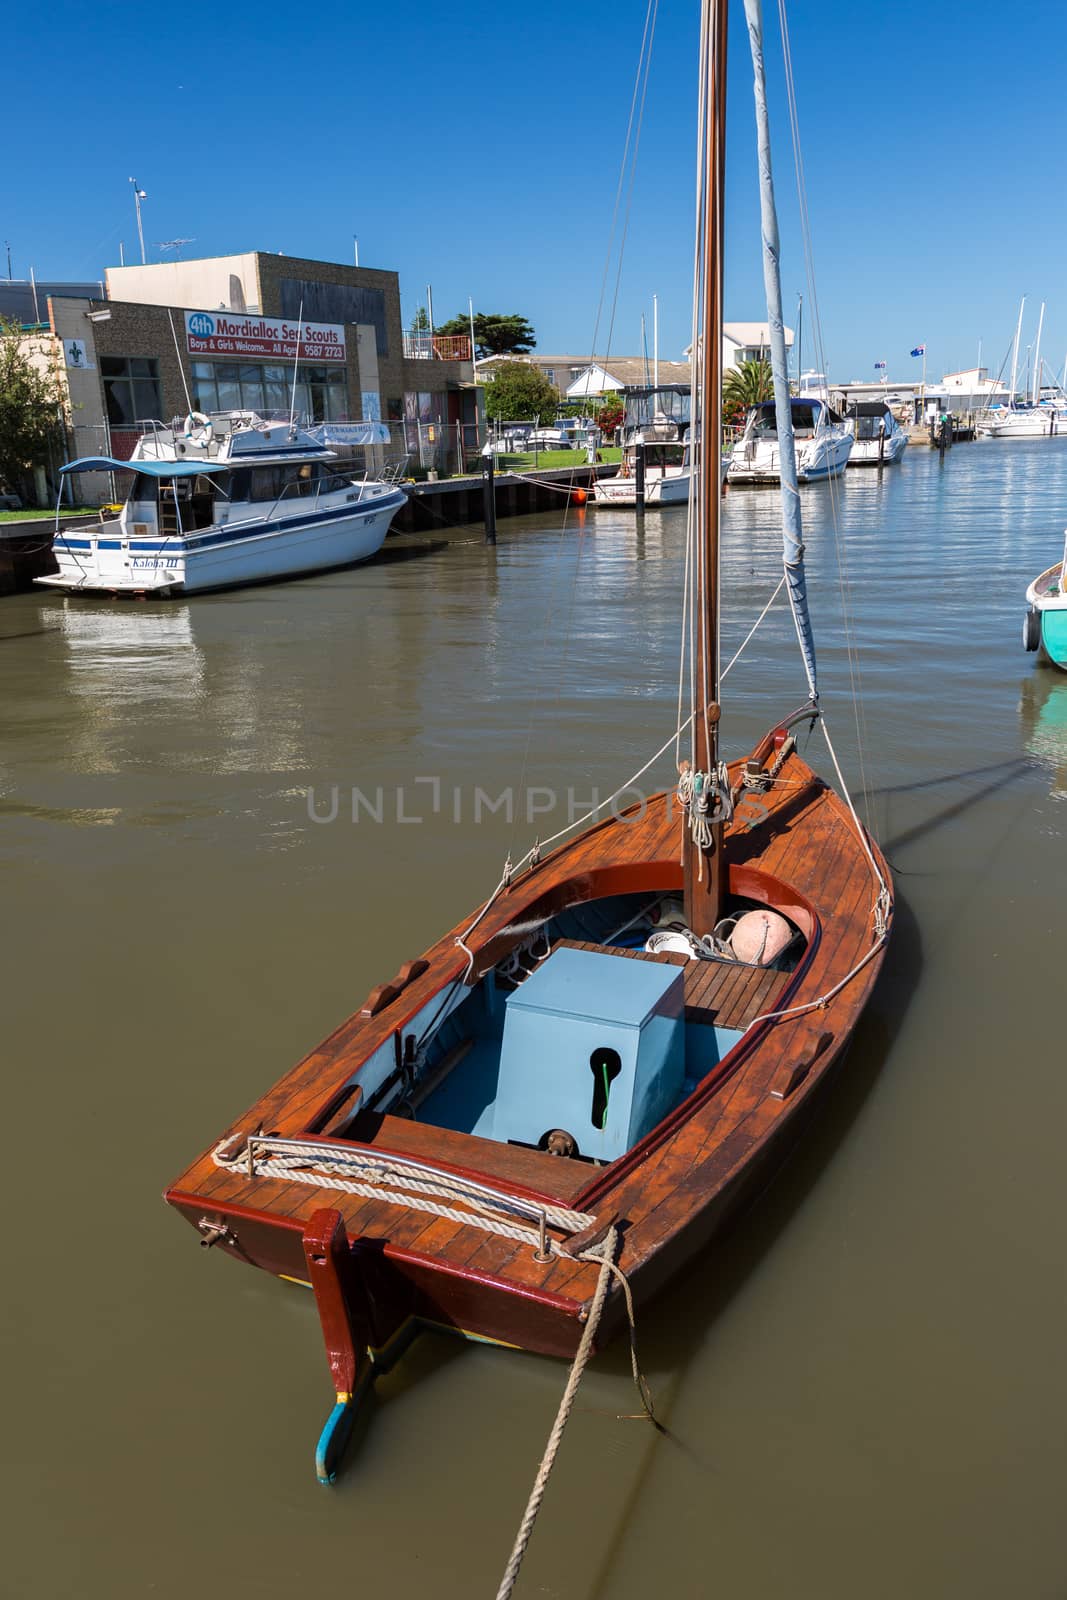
(208, 285)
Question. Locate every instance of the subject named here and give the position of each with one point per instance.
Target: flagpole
(922, 390)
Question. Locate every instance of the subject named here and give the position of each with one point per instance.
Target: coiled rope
(425, 1188)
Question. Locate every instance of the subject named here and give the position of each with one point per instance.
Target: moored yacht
(658, 420)
(823, 443)
(1040, 421)
(878, 439)
(226, 500)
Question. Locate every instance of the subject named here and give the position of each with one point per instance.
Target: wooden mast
(705, 877)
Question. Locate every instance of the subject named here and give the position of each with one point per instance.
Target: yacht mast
(1015, 352)
(1035, 394)
(704, 876)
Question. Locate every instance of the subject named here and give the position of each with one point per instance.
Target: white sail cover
(792, 532)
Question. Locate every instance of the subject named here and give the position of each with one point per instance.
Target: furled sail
(792, 533)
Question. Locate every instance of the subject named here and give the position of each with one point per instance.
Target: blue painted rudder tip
(332, 1441)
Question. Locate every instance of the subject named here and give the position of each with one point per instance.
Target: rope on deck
(428, 1189)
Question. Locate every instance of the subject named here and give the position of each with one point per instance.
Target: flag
(920, 350)
(879, 366)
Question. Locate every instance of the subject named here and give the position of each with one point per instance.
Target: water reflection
(120, 657)
(1043, 721)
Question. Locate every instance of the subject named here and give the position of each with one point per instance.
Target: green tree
(30, 410)
(494, 334)
(516, 392)
(421, 321)
(747, 385)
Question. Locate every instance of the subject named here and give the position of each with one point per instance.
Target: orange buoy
(580, 496)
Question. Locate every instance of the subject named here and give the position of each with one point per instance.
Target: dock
(454, 502)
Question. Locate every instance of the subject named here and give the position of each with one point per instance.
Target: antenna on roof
(175, 245)
(139, 195)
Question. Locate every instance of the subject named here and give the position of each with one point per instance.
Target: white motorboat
(878, 439)
(230, 499)
(823, 443)
(1026, 422)
(657, 420)
(1034, 417)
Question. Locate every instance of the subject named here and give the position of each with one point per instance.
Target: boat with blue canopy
(226, 500)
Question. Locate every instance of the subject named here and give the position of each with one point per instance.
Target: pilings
(489, 498)
(455, 502)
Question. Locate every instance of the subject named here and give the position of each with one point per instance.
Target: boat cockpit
(587, 1033)
(809, 416)
(870, 419)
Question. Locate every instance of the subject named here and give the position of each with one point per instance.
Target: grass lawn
(34, 514)
(524, 460)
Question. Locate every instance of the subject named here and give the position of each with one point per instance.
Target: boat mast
(704, 876)
(1015, 352)
(1035, 394)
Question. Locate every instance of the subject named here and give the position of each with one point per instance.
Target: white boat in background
(657, 419)
(878, 439)
(823, 443)
(231, 499)
(1035, 417)
(1042, 421)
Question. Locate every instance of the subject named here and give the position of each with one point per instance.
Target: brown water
(864, 1385)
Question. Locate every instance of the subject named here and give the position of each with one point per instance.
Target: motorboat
(656, 423)
(223, 500)
(878, 440)
(1042, 421)
(1045, 624)
(823, 442)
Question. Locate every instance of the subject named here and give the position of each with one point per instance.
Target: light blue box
(593, 1044)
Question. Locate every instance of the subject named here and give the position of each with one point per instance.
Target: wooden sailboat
(549, 1083)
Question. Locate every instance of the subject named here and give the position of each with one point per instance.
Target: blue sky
(478, 150)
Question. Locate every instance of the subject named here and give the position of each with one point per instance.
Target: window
(265, 483)
(131, 389)
(550, 374)
(321, 392)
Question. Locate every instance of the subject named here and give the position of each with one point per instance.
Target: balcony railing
(420, 345)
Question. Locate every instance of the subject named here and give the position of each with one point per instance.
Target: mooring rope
(609, 1267)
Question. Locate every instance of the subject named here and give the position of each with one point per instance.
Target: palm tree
(747, 385)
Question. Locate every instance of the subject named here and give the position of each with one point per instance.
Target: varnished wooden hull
(796, 848)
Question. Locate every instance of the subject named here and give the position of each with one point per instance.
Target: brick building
(219, 335)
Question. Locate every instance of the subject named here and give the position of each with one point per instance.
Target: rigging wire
(844, 578)
(627, 172)
(628, 158)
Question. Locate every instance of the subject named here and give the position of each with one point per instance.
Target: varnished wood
(705, 871)
(673, 1190)
(386, 993)
(724, 992)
